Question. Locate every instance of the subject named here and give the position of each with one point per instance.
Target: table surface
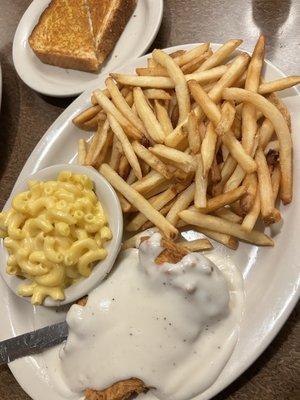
(26, 115)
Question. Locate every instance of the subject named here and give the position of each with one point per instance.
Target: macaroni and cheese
(54, 233)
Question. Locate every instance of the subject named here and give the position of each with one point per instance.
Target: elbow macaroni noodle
(54, 233)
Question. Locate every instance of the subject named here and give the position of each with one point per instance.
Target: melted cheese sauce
(174, 326)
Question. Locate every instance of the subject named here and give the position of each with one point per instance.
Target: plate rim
(75, 106)
(156, 5)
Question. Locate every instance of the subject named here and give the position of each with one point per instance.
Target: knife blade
(32, 342)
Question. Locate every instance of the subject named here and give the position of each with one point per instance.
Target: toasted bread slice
(109, 18)
(64, 36)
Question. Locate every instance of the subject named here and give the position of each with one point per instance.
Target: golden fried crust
(118, 391)
(172, 252)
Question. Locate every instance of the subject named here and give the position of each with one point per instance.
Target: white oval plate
(271, 275)
(46, 79)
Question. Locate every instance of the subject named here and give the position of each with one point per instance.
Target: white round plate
(111, 205)
(271, 275)
(46, 79)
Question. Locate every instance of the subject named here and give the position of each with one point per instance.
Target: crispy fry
(126, 145)
(162, 82)
(249, 125)
(226, 172)
(153, 71)
(157, 202)
(81, 152)
(110, 108)
(92, 124)
(194, 64)
(227, 118)
(233, 72)
(208, 148)
(152, 180)
(213, 113)
(191, 54)
(274, 99)
(195, 245)
(251, 218)
(220, 225)
(236, 150)
(247, 201)
(123, 106)
(157, 94)
(124, 167)
(86, 115)
(185, 161)
(275, 180)
(115, 154)
(147, 116)
(200, 184)
(152, 160)
(235, 179)
(177, 76)
(164, 211)
(138, 201)
(279, 84)
(220, 55)
(163, 118)
(194, 138)
(229, 215)
(125, 205)
(94, 151)
(268, 211)
(182, 202)
(223, 199)
(227, 240)
(265, 133)
(215, 172)
(281, 129)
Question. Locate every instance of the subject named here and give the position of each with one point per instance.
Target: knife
(32, 342)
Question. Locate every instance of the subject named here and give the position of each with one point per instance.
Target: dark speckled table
(25, 116)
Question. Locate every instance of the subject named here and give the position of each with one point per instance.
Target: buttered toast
(80, 34)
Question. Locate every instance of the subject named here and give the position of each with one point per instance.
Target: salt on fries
(196, 140)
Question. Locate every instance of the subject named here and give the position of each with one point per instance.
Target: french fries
(138, 201)
(120, 102)
(194, 137)
(220, 55)
(151, 160)
(268, 211)
(201, 184)
(126, 145)
(195, 141)
(195, 245)
(220, 225)
(208, 148)
(146, 114)
(282, 130)
(110, 108)
(178, 78)
(81, 152)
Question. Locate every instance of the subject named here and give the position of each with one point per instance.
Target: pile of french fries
(195, 139)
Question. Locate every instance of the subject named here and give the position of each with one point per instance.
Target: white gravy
(174, 326)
